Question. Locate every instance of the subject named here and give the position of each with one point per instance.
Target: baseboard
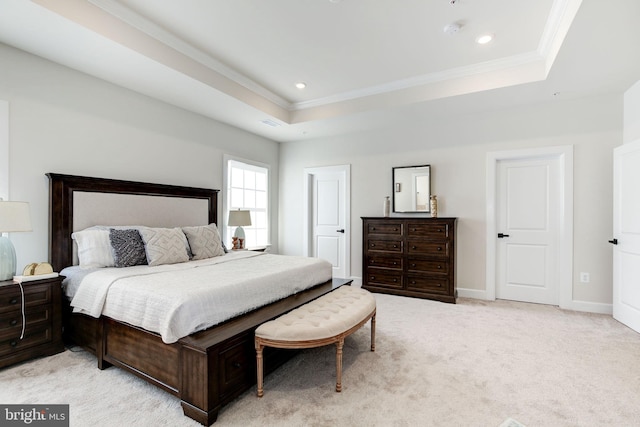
(590, 307)
(472, 293)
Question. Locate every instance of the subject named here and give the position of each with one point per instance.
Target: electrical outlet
(584, 277)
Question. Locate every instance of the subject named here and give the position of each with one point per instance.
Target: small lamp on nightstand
(14, 216)
(239, 219)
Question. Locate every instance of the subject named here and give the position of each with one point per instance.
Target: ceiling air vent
(271, 123)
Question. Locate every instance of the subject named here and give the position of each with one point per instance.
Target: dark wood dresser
(43, 315)
(412, 257)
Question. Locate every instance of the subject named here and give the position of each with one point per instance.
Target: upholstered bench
(326, 320)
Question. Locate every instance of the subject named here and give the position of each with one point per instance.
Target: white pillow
(165, 245)
(94, 248)
(204, 241)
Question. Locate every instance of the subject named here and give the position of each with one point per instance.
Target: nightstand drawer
(32, 338)
(11, 323)
(11, 298)
(43, 316)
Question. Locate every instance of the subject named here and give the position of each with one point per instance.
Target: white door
(626, 233)
(527, 230)
(328, 217)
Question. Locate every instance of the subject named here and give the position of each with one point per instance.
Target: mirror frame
(398, 187)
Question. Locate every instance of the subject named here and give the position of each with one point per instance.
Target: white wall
(456, 149)
(632, 113)
(64, 121)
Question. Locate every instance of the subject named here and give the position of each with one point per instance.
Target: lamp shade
(239, 218)
(14, 216)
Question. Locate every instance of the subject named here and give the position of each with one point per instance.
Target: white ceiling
(364, 61)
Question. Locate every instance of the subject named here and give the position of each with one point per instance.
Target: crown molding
(148, 27)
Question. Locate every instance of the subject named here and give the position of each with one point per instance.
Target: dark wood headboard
(61, 204)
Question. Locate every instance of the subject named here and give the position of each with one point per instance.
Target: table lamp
(14, 216)
(238, 219)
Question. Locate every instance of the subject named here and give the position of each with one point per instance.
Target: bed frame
(207, 369)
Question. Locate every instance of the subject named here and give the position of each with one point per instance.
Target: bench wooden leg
(259, 370)
(339, 346)
(373, 333)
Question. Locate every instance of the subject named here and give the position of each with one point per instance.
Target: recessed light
(484, 39)
(301, 85)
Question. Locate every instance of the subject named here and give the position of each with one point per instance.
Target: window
(248, 188)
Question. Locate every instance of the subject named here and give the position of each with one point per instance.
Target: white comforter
(179, 299)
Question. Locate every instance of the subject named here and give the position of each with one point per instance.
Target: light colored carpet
(475, 363)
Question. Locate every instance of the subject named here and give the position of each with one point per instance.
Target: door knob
(614, 241)
(340, 231)
(500, 235)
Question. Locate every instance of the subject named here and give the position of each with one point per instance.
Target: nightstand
(43, 316)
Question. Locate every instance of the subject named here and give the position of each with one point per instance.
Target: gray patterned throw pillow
(165, 245)
(128, 248)
(204, 241)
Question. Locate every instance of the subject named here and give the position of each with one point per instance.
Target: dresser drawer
(386, 228)
(384, 262)
(384, 278)
(11, 323)
(436, 230)
(32, 337)
(432, 249)
(427, 266)
(432, 285)
(385, 246)
(11, 298)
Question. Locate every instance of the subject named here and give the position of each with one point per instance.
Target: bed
(205, 369)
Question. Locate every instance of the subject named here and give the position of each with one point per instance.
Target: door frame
(564, 154)
(307, 234)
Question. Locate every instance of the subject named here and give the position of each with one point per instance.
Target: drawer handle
(373, 228)
(414, 247)
(413, 265)
(395, 280)
(413, 282)
(438, 285)
(13, 343)
(395, 263)
(13, 301)
(414, 229)
(395, 246)
(371, 262)
(13, 322)
(395, 229)
(439, 267)
(372, 278)
(439, 248)
(373, 245)
(236, 364)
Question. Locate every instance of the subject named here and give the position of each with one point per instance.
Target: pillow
(164, 245)
(94, 248)
(128, 247)
(204, 241)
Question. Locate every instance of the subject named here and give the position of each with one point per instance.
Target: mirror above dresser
(411, 188)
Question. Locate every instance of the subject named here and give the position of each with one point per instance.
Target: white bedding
(178, 299)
